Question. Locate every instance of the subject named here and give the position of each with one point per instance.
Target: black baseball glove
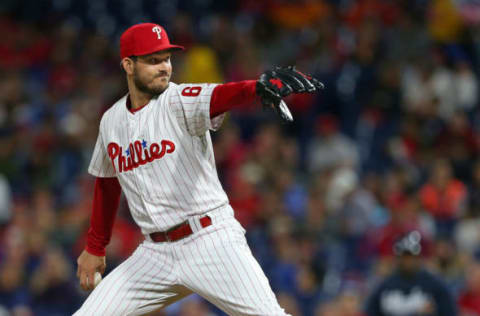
(275, 84)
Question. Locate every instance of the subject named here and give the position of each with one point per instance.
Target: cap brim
(161, 49)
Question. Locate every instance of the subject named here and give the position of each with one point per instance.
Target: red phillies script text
(137, 155)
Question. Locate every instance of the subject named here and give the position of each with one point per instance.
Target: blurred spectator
(329, 148)
(467, 234)
(51, 285)
(349, 304)
(358, 215)
(297, 15)
(346, 304)
(328, 309)
(457, 143)
(14, 295)
(405, 216)
(410, 290)
(474, 190)
(5, 200)
(469, 299)
(427, 89)
(293, 192)
(449, 263)
(443, 196)
(284, 271)
(343, 183)
(445, 23)
(244, 199)
(307, 289)
(200, 65)
(466, 85)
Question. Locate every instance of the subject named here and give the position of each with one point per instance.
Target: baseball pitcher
(154, 145)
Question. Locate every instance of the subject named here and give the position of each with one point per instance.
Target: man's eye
(155, 60)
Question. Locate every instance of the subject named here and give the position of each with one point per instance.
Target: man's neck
(138, 98)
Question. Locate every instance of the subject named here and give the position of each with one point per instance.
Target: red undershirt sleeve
(227, 96)
(105, 205)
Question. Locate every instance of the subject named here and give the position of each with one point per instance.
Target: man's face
(151, 73)
(408, 264)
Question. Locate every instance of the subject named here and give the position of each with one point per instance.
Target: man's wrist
(96, 251)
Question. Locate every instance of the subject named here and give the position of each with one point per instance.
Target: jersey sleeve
(100, 164)
(191, 104)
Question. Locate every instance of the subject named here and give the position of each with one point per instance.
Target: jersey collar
(129, 105)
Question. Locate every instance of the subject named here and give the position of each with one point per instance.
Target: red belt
(180, 231)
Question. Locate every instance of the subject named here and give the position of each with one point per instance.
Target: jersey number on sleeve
(191, 91)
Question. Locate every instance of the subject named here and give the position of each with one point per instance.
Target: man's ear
(127, 65)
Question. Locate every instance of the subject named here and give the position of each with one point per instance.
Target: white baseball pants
(214, 262)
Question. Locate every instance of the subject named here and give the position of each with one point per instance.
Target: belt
(180, 231)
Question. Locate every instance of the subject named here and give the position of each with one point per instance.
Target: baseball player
(154, 145)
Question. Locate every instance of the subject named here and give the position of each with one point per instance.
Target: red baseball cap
(144, 39)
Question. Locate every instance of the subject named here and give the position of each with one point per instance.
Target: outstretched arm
(271, 87)
(105, 205)
(229, 95)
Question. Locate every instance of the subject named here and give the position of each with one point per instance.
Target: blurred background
(390, 146)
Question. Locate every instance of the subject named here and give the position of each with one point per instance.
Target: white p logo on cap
(157, 30)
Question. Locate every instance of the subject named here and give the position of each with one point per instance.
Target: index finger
(86, 281)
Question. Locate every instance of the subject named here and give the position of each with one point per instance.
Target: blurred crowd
(390, 146)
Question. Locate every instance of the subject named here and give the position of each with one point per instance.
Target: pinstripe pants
(214, 262)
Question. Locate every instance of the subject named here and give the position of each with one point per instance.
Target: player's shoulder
(178, 91)
(181, 86)
(174, 88)
(114, 111)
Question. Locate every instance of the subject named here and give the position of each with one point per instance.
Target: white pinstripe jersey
(162, 156)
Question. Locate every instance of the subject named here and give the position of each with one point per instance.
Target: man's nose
(162, 72)
(162, 67)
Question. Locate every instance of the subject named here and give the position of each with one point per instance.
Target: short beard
(144, 88)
